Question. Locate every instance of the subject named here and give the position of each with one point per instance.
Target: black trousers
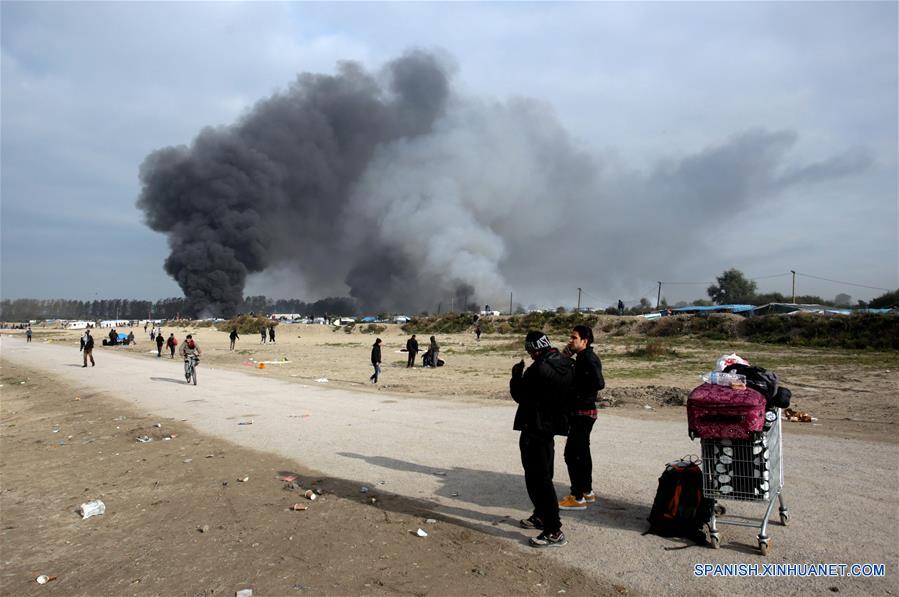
(537, 455)
(577, 455)
(411, 361)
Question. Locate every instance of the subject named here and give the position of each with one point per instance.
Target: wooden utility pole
(510, 304)
(578, 301)
(794, 285)
(659, 296)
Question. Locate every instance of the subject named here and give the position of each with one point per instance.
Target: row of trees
(169, 308)
(734, 288)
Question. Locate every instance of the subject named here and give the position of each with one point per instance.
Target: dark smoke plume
(394, 189)
(273, 186)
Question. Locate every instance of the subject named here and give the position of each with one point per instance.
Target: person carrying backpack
(171, 343)
(159, 342)
(542, 393)
(190, 348)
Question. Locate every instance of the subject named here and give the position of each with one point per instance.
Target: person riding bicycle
(190, 348)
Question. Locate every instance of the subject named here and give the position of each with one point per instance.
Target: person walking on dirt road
(87, 347)
(376, 360)
(171, 343)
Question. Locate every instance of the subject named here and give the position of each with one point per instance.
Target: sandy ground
(453, 458)
(180, 521)
(852, 394)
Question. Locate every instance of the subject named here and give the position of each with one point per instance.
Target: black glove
(518, 369)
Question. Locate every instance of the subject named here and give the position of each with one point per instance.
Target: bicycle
(190, 368)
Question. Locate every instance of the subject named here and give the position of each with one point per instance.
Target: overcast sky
(795, 102)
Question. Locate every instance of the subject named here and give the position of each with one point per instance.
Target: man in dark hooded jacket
(542, 393)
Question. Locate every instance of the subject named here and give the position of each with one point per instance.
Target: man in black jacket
(412, 349)
(542, 393)
(376, 360)
(588, 381)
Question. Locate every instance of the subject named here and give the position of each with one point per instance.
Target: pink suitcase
(721, 412)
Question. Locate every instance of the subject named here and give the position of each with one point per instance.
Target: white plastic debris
(42, 579)
(244, 593)
(322, 380)
(363, 489)
(92, 508)
(421, 533)
(431, 521)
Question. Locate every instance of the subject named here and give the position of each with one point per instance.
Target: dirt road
(462, 458)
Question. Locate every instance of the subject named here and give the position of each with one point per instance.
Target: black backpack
(680, 509)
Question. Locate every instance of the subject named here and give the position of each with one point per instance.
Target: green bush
(712, 326)
(246, 324)
(863, 331)
(372, 328)
(451, 323)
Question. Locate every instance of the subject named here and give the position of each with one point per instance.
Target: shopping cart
(747, 470)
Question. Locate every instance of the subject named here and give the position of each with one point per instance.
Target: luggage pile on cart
(736, 414)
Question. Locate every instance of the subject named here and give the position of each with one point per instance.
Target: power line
(771, 276)
(683, 283)
(842, 282)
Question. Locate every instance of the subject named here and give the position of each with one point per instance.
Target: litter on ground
(797, 416)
